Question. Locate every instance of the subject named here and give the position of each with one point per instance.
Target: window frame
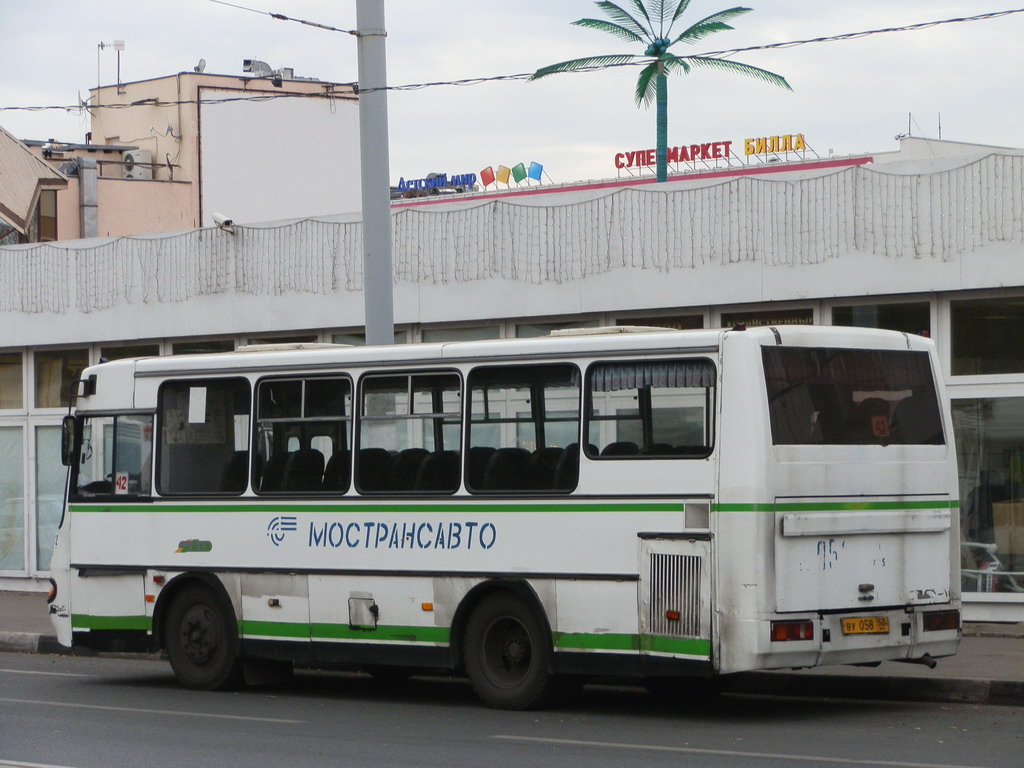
(645, 404)
(536, 418)
(158, 440)
(254, 443)
(74, 493)
(436, 418)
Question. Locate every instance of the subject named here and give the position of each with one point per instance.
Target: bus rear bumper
(795, 642)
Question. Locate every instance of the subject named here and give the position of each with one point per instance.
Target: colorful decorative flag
(502, 174)
(536, 169)
(487, 176)
(519, 173)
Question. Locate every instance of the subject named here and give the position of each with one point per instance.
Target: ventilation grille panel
(675, 590)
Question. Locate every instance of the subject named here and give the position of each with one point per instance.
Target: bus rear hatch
(840, 554)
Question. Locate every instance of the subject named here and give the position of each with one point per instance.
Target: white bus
(670, 506)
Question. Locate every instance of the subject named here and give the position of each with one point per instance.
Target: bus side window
(303, 429)
(524, 428)
(410, 429)
(116, 456)
(204, 425)
(650, 409)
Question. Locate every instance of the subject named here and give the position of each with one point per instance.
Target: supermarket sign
(713, 150)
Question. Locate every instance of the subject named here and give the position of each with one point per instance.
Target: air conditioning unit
(137, 164)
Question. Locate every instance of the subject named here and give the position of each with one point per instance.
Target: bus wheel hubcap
(198, 635)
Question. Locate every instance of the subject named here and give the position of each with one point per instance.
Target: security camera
(222, 221)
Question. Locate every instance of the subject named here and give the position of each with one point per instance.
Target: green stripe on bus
(385, 633)
(343, 632)
(85, 621)
(742, 507)
(837, 506)
(688, 646)
(566, 641)
(378, 508)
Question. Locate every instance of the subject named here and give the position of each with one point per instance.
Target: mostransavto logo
(279, 526)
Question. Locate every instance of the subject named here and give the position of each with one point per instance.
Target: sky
(848, 97)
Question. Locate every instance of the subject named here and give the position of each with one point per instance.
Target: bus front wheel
(506, 653)
(201, 640)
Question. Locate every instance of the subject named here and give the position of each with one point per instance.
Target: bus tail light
(51, 595)
(792, 630)
(933, 621)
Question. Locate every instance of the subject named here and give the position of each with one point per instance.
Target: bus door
(675, 595)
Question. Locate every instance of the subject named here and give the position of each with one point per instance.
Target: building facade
(194, 143)
(926, 240)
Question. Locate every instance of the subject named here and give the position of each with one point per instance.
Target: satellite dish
(201, 66)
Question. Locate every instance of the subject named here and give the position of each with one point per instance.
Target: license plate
(866, 625)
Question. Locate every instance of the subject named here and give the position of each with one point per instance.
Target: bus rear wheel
(201, 640)
(507, 652)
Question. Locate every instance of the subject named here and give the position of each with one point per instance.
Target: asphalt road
(107, 713)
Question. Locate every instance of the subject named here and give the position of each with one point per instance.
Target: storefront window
(11, 374)
(756, 319)
(910, 318)
(129, 350)
(202, 347)
(359, 339)
(12, 500)
(990, 452)
(55, 373)
(50, 478)
(461, 334)
(678, 322)
(301, 339)
(985, 337)
(532, 330)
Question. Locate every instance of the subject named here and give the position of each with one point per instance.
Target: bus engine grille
(675, 595)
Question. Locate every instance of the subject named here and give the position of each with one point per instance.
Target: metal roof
(22, 175)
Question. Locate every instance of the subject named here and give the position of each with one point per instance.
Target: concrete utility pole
(378, 281)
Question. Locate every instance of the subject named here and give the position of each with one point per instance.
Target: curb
(833, 686)
(30, 642)
(20, 642)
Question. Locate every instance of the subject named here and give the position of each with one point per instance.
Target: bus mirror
(69, 431)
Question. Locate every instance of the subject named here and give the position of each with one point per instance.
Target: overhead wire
(501, 78)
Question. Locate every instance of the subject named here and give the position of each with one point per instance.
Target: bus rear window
(826, 396)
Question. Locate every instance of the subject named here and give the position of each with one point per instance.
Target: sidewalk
(989, 668)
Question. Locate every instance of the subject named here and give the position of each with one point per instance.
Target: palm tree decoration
(651, 24)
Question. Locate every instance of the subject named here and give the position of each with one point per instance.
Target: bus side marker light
(782, 631)
(672, 615)
(427, 606)
(933, 621)
(158, 578)
(150, 598)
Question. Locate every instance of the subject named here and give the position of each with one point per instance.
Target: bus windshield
(828, 396)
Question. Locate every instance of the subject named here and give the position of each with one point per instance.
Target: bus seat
(337, 471)
(272, 478)
(479, 455)
(439, 471)
(402, 475)
(372, 469)
(234, 479)
(304, 470)
(870, 422)
(621, 448)
(507, 470)
(567, 470)
(541, 467)
(917, 420)
(657, 449)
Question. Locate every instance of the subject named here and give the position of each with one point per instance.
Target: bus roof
(589, 342)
